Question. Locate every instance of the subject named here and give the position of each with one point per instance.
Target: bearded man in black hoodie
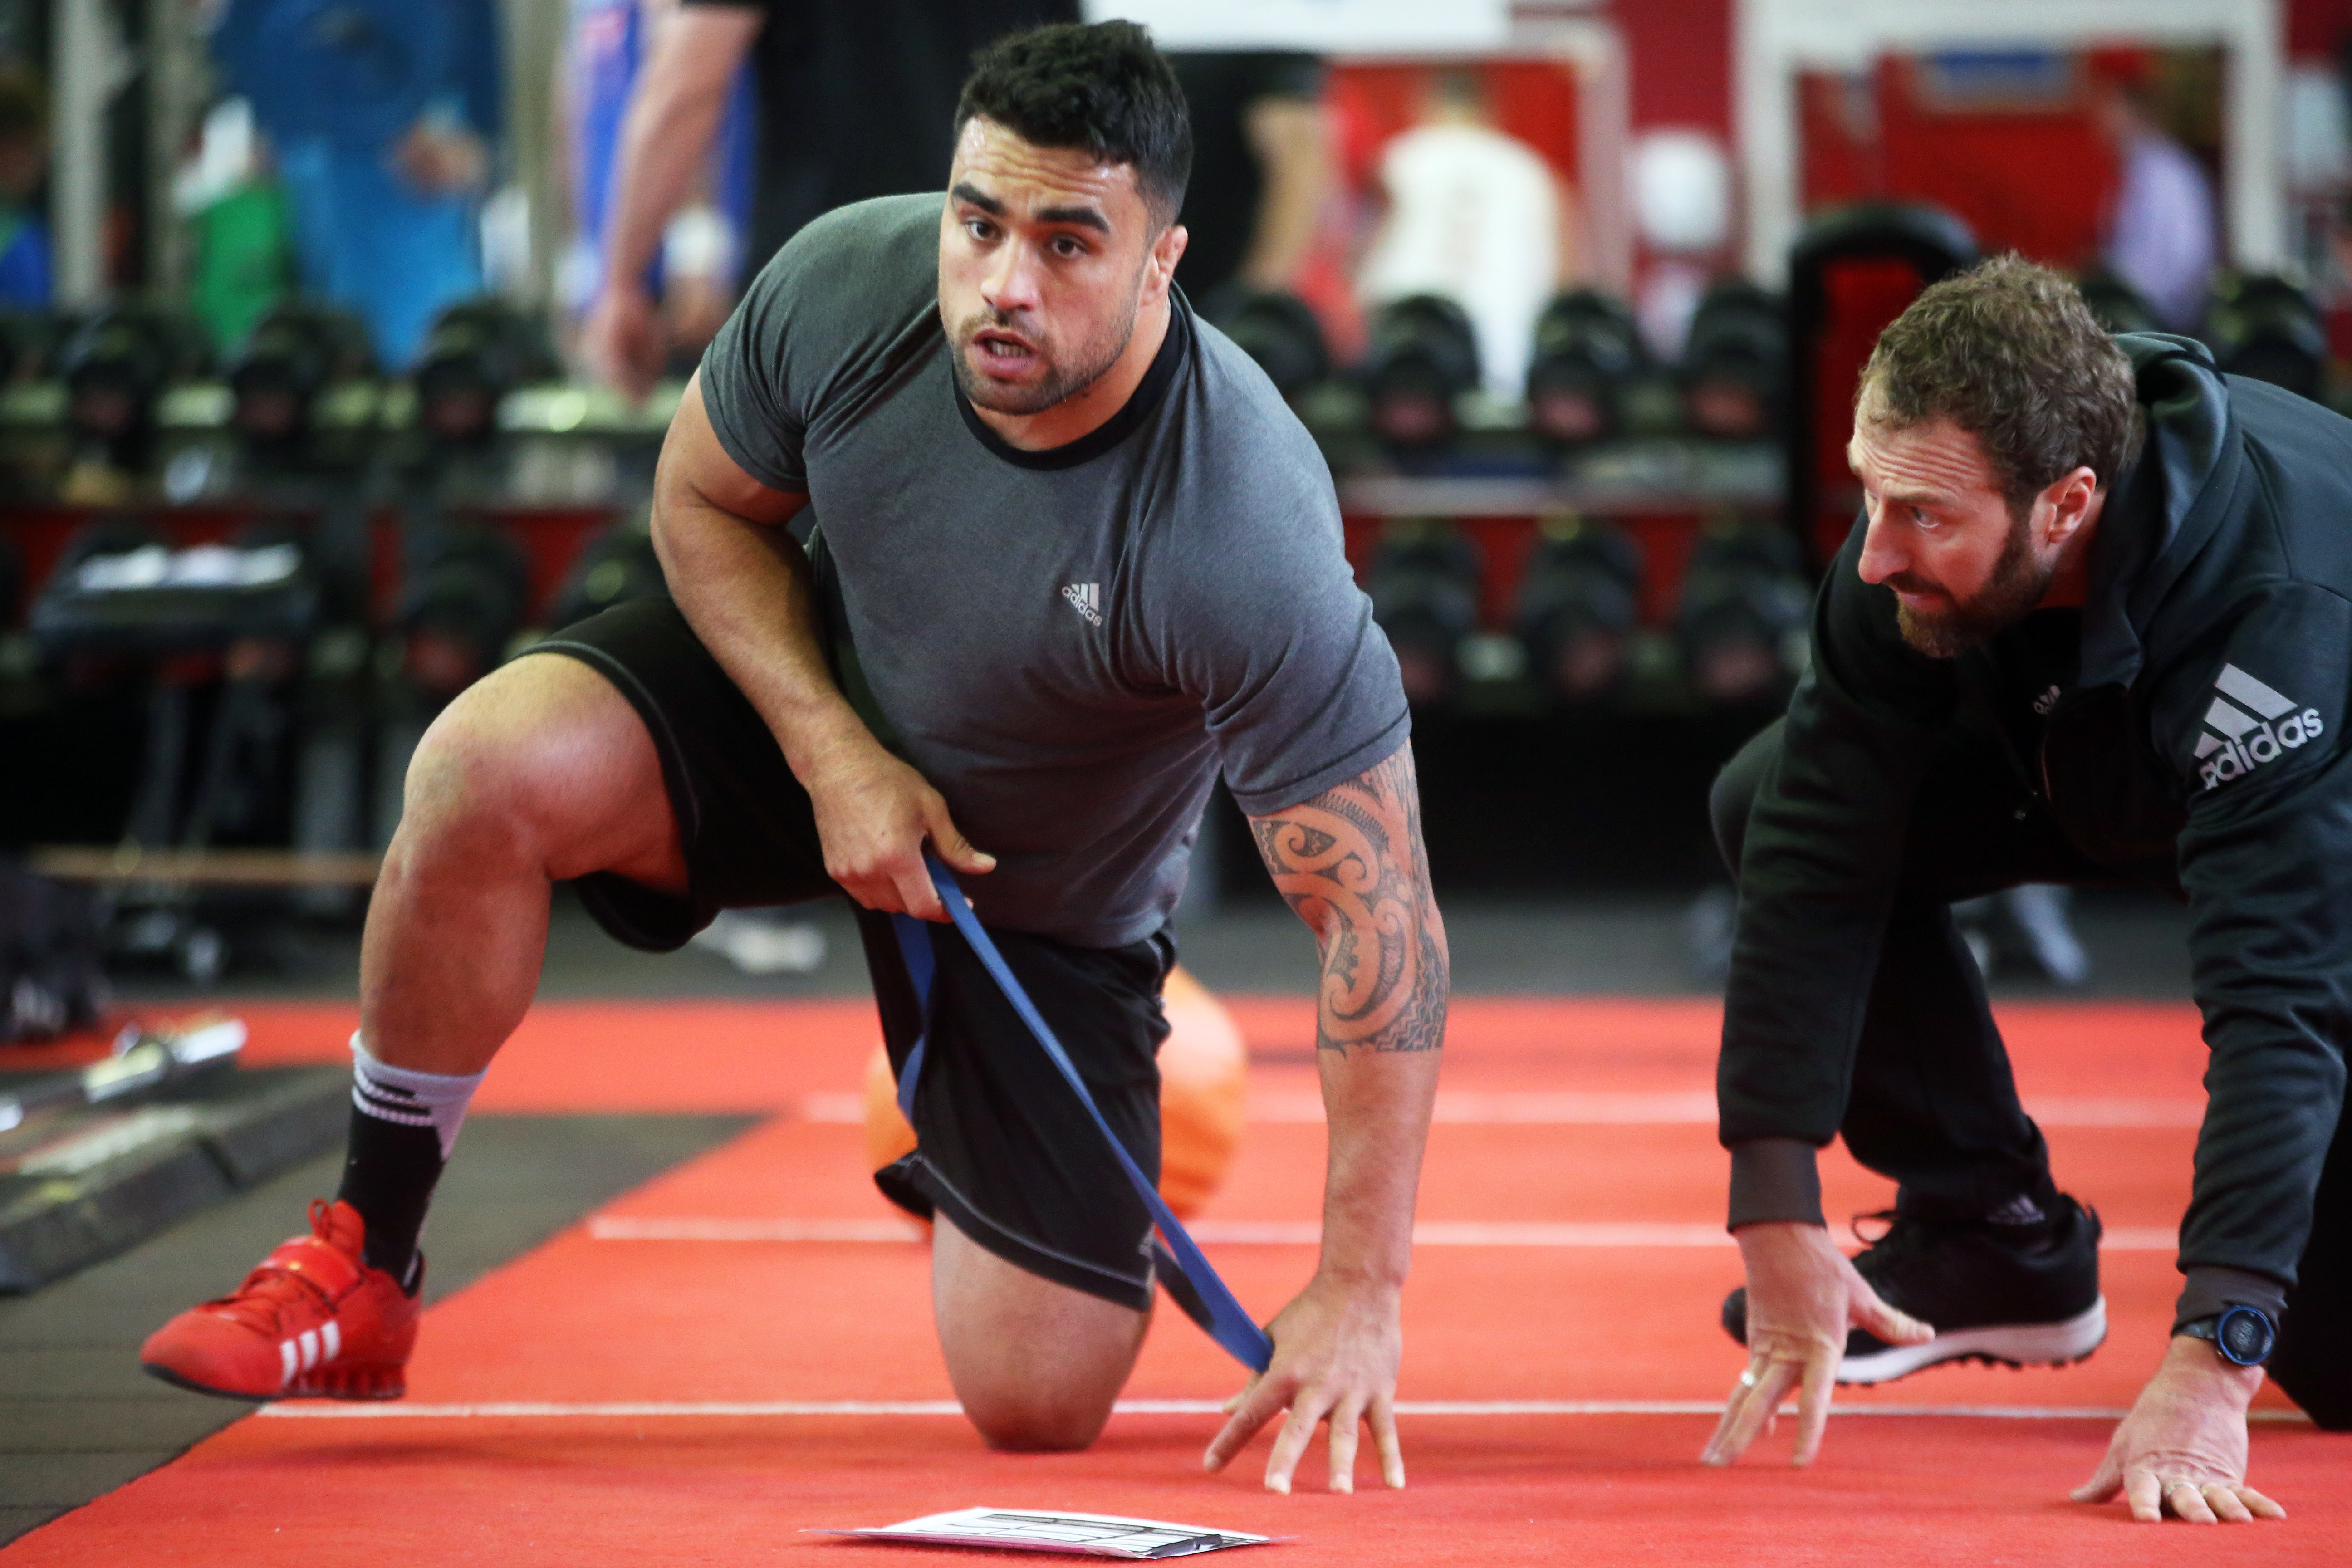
(2094, 626)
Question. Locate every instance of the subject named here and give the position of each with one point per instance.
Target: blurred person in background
(856, 99)
(383, 126)
(1476, 216)
(24, 166)
(2160, 232)
(699, 257)
(1262, 171)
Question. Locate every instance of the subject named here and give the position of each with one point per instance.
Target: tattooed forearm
(1350, 862)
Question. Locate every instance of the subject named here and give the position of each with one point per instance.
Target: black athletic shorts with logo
(1007, 1150)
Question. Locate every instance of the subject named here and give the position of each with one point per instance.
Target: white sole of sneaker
(2009, 1344)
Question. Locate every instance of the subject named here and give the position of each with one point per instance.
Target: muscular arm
(743, 584)
(1349, 861)
(674, 112)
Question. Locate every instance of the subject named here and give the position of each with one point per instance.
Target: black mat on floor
(78, 1418)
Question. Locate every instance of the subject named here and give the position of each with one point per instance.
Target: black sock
(389, 1175)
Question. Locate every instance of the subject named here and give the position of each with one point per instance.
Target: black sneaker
(2017, 1295)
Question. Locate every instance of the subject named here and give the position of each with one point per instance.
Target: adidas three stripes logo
(310, 1347)
(2249, 724)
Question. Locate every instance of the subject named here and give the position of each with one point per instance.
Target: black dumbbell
(1578, 606)
(1735, 368)
(1585, 348)
(1423, 355)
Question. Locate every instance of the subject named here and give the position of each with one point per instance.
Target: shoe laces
(263, 1300)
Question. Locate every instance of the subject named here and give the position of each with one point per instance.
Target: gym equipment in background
(1423, 582)
(616, 566)
(1579, 606)
(2115, 304)
(1851, 272)
(1742, 624)
(29, 340)
(477, 352)
(225, 629)
(1423, 355)
(1735, 369)
(139, 1062)
(2261, 326)
(285, 365)
(12, 582)
(1281, 332)
(115, 368)
(1586, 346)
(50, 979)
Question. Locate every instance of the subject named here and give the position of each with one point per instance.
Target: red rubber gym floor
(741, 1351)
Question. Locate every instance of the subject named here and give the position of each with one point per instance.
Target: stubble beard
(2016, 584)
(1059, 379)
(1060, 382)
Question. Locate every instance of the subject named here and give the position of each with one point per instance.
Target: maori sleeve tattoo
(1349, 862)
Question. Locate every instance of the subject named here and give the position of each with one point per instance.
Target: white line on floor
(1483, 1108)
(396, 1410)
(1258, 1232)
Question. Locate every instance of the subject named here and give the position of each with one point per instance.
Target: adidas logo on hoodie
(2248, 725)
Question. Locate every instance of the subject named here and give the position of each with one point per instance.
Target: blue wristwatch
(2241, 1334)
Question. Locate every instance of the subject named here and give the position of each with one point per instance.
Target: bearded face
(1944, 624)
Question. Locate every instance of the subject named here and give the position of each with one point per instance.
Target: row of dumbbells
(1590, 377)
(1574, 635)
(288, 385)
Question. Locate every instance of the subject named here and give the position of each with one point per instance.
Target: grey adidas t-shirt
(1067, 644)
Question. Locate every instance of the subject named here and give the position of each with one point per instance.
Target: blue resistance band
(1202, 1295)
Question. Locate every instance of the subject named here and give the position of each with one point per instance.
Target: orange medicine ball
(1202, 1077)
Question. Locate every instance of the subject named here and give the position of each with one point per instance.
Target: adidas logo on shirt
(1087, 599)
(2248, 725)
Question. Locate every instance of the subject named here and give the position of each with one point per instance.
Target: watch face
(2244, 1335)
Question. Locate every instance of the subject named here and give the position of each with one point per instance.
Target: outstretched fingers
(1345, 1416)
(1813, 1408)
(1392, 1450)
(1889, 1324)
(1750, 1408)
(1250, 1409)
(2105, 1483)
(2258, 1505)
(1290, 1446)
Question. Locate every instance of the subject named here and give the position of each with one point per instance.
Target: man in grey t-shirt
(1072, 557)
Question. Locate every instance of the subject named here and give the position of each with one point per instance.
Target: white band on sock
(410, 1097)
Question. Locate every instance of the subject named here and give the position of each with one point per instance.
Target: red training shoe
(312, 1320)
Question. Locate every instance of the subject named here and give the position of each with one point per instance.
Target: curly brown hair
(2008, 351)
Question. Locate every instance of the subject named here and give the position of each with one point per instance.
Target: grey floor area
(78, 1418)
(1618, 944)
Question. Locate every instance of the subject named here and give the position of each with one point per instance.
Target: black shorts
(1006, 1151)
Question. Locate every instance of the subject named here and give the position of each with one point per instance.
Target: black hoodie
(2200, 741)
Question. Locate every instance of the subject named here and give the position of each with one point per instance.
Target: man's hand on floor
(1336, 1352)
(2182, 1449)
(1803, 1294)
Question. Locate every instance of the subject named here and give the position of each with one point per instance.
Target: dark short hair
(2008, 351)
(1103, 88)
